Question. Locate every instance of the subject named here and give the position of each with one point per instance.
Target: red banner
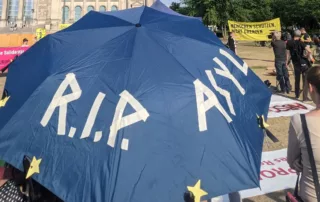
(8, 54)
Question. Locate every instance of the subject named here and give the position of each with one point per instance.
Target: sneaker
(307, 101)
(288, 91)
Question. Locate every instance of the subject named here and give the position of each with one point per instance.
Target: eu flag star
(5, 98)
(197, 191)
(34, 167)
(4, 101)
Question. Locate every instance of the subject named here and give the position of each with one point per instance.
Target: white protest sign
(275, 175)
(282, 106)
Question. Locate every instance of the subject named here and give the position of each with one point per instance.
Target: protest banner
(8, 54)
(275, 175)
(63, 26)
(15, 40)
(254, 31)
(282, 107)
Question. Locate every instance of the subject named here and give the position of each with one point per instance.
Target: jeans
(283, 76)
(297, 77)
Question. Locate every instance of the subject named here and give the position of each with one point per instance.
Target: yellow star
(264, 124)
(4, 101)
(197, 191)
(34, 167)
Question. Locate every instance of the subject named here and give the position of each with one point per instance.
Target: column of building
(72, 12)
(96, 7)
(20, 14)
(56, 14)
(121, 4)
(4, 16)
(35, 12)
(84, 9)
(148, 2)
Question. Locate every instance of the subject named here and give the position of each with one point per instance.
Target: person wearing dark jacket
(295, 51)
(231, 42)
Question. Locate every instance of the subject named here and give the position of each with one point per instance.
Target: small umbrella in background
(136, 105)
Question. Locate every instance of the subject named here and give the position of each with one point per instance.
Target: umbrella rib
(179, 64)
(144, 8)
(50, 37)
(24, 103)
(186, 37)
(177, 20)
(95, 48)
(174, 14)
(66, 31)
(154, 40)
(248, 142)
(107, 14)
(99, 13)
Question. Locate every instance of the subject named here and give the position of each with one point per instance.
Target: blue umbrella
(135, 105)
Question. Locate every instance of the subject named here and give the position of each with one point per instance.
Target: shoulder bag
(295, 197)
(311, 156)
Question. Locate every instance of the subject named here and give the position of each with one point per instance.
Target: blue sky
(168, 2)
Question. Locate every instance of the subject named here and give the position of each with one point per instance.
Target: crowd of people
(306, 161)
(299, 157)
(296, 51)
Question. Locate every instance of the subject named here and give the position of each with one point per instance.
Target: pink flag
(8, 54)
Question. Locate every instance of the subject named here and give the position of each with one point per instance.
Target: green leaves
(218, 12)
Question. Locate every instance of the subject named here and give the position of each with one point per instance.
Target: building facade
(51, 13)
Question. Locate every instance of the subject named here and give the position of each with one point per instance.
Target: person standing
(279, 50)
(295, 51)
(297, 154)
(25, 43)
(305, 38)
(288, 36)
(232, 42)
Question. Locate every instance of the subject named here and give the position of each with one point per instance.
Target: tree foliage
(217, 12)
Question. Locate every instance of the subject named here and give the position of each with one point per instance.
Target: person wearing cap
(295, 51)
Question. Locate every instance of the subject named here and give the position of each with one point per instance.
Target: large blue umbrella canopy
(136, 105)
